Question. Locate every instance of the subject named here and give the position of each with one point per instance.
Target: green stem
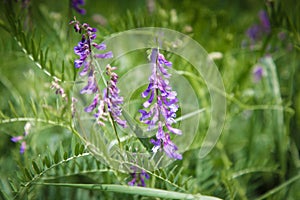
(115, 130)
(280, 187)
(152, 192)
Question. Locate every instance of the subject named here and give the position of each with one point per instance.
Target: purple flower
(59, 90)
(101, 114)
(17, 138)
(257, 31)
(257, 73)
(93, 105)
(163, 110)
(21, 138)
(109, 102)
(138, 178)
(91, 87)
(254, 32)
(76, 3)
(264, 21)
(112, 98)
(104, 55)
(84, 48)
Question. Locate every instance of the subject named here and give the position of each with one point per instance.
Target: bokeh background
(255, 45)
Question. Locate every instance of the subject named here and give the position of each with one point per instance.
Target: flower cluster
(76, 3)
(22, 137)
(257, 31)
(163, 110)
(109, 101)
(58, 89)
(112, 98)
(138, 178)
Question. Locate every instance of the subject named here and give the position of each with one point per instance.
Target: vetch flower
(93, 105)
(59, 90)
(21, 138)
(257, 73)
(76, 3)
(254, 32)
(164, 106)
(257, 31)
(107, 104)
(264, 21)
(112, 98)
(84, 48)
(138, 178)
(91, 87)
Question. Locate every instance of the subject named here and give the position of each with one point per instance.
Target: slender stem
(112, 121)
(151, 192)
(280, 187)
(115, 129)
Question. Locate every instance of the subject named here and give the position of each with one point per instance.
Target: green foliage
(256, 157)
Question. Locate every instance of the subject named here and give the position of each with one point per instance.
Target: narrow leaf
(56, 156)
(28, 174)
(143, 191)
(35, 167)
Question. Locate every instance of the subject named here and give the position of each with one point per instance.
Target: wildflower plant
(128, 110)
(163, 111)
(106, 102)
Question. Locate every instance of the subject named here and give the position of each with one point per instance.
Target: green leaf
(65, 155)
(35, 167)
(12, 109)
(46, 161)
(56, 156)
(28, 174)
(34, 51)
(143, 191)
(33, 107)
(77, 149)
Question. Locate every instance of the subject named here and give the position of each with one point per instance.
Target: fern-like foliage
(63, 164)
(30, 42)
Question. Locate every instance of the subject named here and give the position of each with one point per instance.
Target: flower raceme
(76, 5)
(138, 178)
(109, 101)
(164, 106)
(21, 138)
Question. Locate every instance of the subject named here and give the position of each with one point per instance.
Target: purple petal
(164, 71)
(153, 56)
(146, 92)
(257, 73)
(173, 130)
(85, 69)
(149, 101)
(93, 105)
(160, 133)
(162, 60)
(157, 145)
(170, 148)
(104, 55)
(16, 139)
(145, 115)
(132, 182)
(78, 63)
(264, 20)
(100, 46)
(91, 86)
(23, 147)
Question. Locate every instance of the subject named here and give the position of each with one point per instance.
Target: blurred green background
(257, 155)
